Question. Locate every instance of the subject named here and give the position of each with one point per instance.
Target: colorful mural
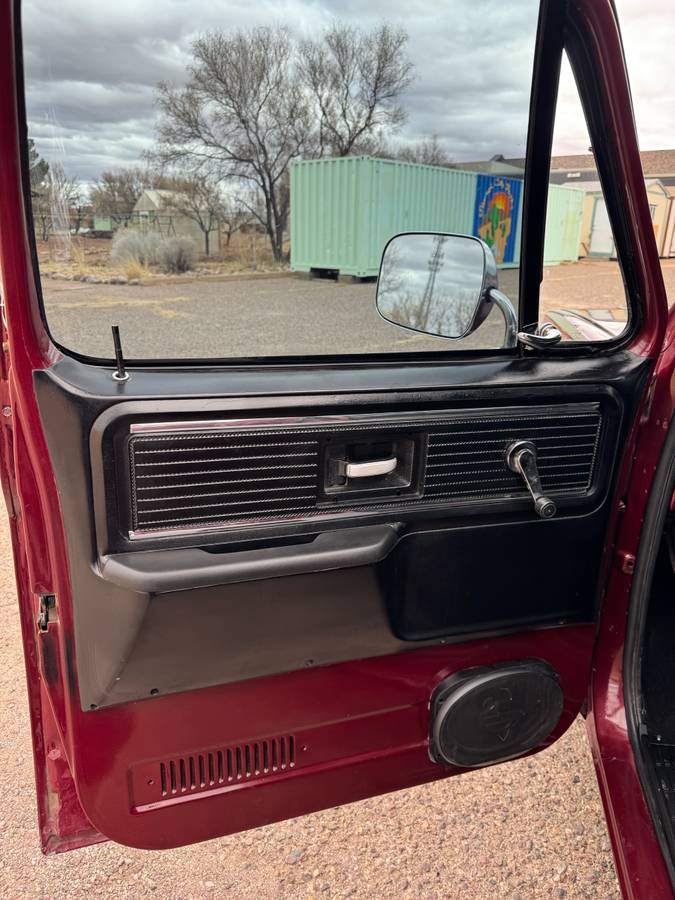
(495, 217)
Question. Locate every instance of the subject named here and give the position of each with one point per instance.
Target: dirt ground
(78, 255)
(524, 830)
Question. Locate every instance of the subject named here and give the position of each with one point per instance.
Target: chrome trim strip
(580, 408)
(233, 424)
(181, 531)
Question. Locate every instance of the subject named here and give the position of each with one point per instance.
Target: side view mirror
(441, 284)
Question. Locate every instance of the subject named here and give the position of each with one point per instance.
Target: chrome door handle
(370, 468)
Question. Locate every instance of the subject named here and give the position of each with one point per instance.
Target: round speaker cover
(486, 715)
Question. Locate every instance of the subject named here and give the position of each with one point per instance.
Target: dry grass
(135, 270)
(79, 256)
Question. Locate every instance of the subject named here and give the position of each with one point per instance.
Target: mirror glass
(432, 282)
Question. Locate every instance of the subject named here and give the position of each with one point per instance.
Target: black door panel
(485, 577)
(344, 578)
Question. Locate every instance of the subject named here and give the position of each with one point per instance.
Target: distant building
(659, 164)
(596, 232)
(496, 165)
(155, 210)
(578, 167)
(580, 171)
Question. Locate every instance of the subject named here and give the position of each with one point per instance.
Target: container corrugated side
(325, 201)
(343, 211)
(411, 197)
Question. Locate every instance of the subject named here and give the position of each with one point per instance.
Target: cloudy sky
(91, 70)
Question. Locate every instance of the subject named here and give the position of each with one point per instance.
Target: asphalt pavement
(236, 317)
(261, 316)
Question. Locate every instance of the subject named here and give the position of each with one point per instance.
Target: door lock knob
(521, 458)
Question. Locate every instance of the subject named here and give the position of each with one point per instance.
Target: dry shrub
(178, 254)
(133, 246)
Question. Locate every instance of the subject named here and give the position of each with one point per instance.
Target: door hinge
(45, 612)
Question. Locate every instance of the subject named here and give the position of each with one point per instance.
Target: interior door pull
(521, 458)
(370, 468)
(185, 569)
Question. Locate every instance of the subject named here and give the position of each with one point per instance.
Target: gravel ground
(528, 829)
(284, 316)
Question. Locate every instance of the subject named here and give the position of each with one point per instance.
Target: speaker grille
(186, 477)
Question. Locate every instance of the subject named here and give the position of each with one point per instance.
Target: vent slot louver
(209, 477)
(213, 769)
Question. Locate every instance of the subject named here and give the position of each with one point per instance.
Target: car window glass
(582, 291)
(221, 180)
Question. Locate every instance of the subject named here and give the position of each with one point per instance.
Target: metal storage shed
(343, 212)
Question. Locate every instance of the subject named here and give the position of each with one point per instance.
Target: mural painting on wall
(495, 217)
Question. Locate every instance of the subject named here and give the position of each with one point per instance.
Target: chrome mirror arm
(510, 318)
(545, 335)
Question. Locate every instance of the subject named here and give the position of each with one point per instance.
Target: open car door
(231, 618)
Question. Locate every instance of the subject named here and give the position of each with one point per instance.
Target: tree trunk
(207, 238)
(277, 245)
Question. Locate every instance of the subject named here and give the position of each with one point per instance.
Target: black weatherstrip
(650, 540)
(538, 158)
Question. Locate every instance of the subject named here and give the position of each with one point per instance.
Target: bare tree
(115, 193)
(80, 212)
(54, 200)
(356, 80)
(199, 199)
(235, 216)
(242, 112)
(428, 151)
(42, 213)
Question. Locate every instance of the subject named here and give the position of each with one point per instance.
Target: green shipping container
(343, 211)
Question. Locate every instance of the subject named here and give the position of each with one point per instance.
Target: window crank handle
(521, 458)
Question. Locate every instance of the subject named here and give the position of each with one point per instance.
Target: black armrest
(161, 571)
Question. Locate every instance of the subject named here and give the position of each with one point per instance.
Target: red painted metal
(638, 855)
(640, 864)
(360, 727)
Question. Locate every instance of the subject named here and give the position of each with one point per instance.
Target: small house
(162, 211)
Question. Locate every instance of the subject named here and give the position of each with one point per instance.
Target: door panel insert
(203, 476)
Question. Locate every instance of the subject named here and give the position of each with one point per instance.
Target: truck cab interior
(254, 585)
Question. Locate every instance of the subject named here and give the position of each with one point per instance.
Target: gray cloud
(91, 69)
